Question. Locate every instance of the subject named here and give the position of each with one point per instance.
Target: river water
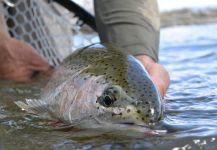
(188, 52)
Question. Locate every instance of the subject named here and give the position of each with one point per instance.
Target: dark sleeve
(131, 24)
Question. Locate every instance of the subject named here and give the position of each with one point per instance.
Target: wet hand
(19, 61)
(158, 73)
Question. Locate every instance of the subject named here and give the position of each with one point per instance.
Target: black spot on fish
(147, 115)
(143, 119)
(116, 80)
(128, 110)
(149, 110)
(125, 80)
(133, 91)
(138, 111)
(97, 107)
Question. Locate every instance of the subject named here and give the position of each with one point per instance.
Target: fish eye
(109, 96)
(106, 100)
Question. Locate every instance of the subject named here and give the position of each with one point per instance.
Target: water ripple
(190, 104)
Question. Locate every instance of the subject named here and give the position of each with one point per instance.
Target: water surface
(189, 53)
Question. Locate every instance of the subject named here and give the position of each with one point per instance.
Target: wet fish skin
(101, 86)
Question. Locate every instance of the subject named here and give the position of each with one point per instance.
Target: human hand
(157, 72)
(19, 61)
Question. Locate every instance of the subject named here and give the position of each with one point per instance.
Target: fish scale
(101, 86)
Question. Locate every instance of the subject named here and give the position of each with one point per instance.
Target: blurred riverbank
(179, 12)
(188, 17)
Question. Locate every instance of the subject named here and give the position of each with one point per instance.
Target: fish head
(130, 97)
(118, 107)
(111, 87)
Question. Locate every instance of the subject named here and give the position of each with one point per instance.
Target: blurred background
(166, 5)
(178, 12)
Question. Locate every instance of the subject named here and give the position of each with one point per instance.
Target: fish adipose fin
(34, 106)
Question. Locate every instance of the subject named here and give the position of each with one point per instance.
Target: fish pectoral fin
(34, 106)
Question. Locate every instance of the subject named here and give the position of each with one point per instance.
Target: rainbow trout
(99, 86)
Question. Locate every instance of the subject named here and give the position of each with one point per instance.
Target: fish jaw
(128, 110)
(122, 116)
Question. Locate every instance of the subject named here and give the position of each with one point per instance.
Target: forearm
(19, 61)
(133, 25)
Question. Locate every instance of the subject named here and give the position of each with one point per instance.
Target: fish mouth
(133, 124)
(144, 128)
(136, 128)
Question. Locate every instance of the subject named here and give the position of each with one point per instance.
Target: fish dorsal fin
(35, 106)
